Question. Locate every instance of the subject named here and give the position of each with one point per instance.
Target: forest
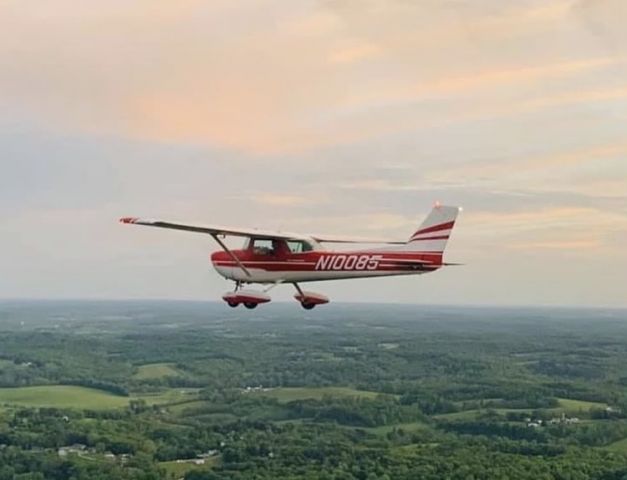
(196, 391)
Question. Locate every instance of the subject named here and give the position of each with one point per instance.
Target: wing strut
(231, 254)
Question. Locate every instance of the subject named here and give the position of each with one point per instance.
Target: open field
(408, 427)
(68, 396)
(171, 395)
(620, 446)
(180, 408)
(62, 396)
(565, 406)
(156, 370)
(576, 405)
(289, 394)
(179, 469)
(472, 414)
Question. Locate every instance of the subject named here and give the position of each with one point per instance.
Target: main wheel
(232, 304)
(250, 305)
(307, 305)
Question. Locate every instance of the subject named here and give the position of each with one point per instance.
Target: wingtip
(128, 220)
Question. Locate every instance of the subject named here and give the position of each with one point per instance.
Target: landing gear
(252, 298)
(309, 300)
(249, 298)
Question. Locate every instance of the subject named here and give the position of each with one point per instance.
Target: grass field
(156, 370)
(575, 405)
(464, 415)
(172, 395)
(178, 470)
(566, 405)
(180, 408)
(619, 447)
(61, 396)
(289, 394)
(382, 430)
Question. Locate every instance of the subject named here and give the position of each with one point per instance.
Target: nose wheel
(249, 298)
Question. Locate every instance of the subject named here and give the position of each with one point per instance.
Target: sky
(335, 116)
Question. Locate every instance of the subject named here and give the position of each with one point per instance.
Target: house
(76, 448)
(208, 454)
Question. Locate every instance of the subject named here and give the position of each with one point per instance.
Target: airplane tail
(433, 234)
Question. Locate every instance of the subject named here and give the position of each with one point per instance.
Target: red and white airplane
(274, 258)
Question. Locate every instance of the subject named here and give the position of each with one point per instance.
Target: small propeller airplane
(274, 258)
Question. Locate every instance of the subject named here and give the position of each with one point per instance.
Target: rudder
(433, 234)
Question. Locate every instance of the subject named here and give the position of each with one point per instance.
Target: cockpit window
(298, 246)
(262, 246)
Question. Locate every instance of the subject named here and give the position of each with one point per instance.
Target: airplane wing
(340, 239)
(251, 232)
(214, 229)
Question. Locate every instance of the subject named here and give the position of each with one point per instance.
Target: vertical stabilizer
(434, 232)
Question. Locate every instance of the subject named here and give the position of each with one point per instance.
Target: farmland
(285, 395)
(198, 392)
(61, 396)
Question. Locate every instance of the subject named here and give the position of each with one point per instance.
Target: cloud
(280, 200)
(476, 81)
(572, 244)
(550, 228)
(379, 224)
(605, 20)
(571, 98)
(286, 79)
(354, 53)
(379, 185)
(497, 170)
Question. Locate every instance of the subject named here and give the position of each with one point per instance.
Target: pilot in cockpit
(262, 246)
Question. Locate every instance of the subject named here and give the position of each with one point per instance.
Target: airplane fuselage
(281, 265)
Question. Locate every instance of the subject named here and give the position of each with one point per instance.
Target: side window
(297, 246)
(261, 246)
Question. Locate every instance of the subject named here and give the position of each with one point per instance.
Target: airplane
(275, 258)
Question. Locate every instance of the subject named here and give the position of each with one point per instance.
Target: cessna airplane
(274, 258)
